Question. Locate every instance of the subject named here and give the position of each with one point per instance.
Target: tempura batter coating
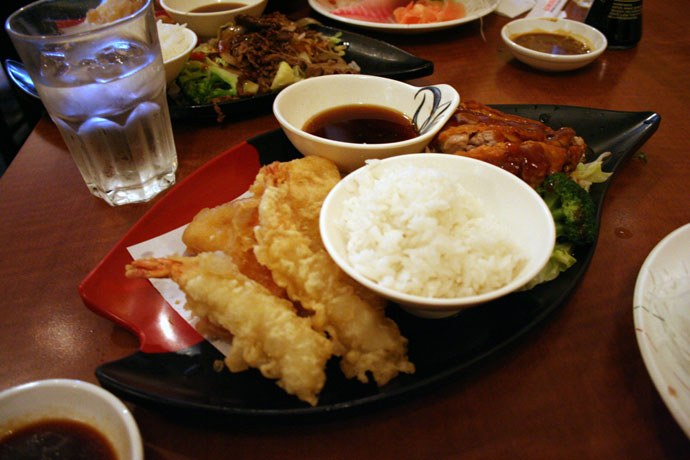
(289, 244)
(229, 227)
(267, 333)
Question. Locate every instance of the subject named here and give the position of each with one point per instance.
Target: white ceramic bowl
(513, 203)
(206, 24)
(299, 102)
(73, 400)
(595, 40)
(174, 65)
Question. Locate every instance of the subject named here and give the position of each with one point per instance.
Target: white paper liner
(162, 246)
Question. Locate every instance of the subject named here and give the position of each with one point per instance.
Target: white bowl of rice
(177, 43)
(437, 233)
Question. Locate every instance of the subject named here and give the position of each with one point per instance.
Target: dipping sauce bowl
(72, 401)
(589, 36)
(428, 109)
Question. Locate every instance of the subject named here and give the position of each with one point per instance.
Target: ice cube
(115, 60)
(54, 61)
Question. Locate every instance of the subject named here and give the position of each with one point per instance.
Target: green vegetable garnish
(572, 209)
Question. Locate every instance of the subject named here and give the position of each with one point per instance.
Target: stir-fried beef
(257, 45)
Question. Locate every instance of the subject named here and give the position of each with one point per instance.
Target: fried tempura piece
(307, 181)
(230, 228)
(267, 333)
(113, 10)
(289, 244)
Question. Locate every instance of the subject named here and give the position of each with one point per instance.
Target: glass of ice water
(102, 81)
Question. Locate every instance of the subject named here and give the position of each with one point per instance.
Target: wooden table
(575, 387)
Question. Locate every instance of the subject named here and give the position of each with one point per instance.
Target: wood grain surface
(574, 388)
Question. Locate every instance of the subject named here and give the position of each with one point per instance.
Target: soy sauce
(361, 124)
(619, 20)
(55, 439)
(217, 7)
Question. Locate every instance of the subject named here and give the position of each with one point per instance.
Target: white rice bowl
(437, 236)
(418, 231)
(177, 43)
(172, 38)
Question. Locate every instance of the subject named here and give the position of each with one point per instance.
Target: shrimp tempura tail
(267, 333)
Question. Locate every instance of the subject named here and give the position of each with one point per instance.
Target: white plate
(475, 9)
(661, 310)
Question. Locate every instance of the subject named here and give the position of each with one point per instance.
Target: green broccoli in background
(202, 81)
(572, 209)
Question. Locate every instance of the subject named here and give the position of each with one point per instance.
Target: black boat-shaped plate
(174, 367)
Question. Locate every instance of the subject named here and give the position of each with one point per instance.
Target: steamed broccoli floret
(572, 209)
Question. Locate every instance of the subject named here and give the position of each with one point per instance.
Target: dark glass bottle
(619, 20)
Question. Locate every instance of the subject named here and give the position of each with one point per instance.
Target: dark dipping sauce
(361, 124)
(545, 42)
(217, 7)
(56, 439)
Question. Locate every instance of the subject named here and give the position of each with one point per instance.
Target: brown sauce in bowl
(217, 7)
(54, 439)
(361, 124)
(552, 43)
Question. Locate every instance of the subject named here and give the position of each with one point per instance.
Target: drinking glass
(102, 82)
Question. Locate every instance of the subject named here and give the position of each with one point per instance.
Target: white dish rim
(642, 316)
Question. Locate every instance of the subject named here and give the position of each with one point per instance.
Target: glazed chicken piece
(527, 148)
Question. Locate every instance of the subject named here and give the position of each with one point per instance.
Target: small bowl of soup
(205, 17)
(553, 44)
(352, 118)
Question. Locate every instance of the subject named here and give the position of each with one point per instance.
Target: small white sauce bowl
(299, 102)
(509, 199)
(595, 40)
(73, 400)
(173, 66)
(206, 25)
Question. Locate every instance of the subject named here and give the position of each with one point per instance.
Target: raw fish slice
(427, 11)
(371, 10)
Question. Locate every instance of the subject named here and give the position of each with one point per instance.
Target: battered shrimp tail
(265, 328)
(153, 268)
(367, 341)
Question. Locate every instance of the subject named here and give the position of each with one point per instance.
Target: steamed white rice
(417, 230)
(172, 38)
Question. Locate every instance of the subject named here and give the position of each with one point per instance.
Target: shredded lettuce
(586, 174)
(561, 259)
